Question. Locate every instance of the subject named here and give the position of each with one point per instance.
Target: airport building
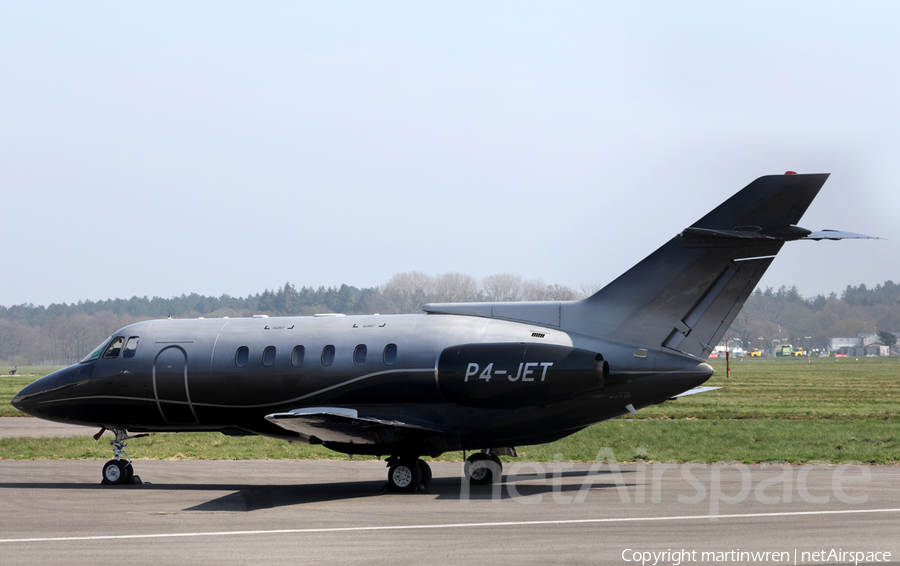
(864, 344)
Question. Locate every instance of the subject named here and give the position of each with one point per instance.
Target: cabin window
(269, 356)
(328, 355)
(359, 355)
(114, 348)
(130, 347)
(241, 357)
(297, 355)
(390, 354)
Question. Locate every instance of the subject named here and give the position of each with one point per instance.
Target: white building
(839, 344)
(863, 344)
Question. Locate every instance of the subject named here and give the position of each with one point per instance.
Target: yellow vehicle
(798, 353)
(755, 353)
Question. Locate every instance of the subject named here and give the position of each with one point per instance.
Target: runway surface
(313, 512)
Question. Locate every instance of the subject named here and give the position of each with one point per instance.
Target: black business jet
(485, 377)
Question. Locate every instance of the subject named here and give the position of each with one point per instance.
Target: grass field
(792, 389)
(830, 410)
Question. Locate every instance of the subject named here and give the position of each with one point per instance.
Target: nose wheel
(119, 471)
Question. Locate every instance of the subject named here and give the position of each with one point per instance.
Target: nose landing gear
(118, 471)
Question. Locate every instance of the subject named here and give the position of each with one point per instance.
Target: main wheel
(404, 476)
(482, 469)
(116, 472)
(426, 472)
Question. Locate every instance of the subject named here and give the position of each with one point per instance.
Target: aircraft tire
(404, 476)
(116, 472)
(479, 469)
(426, 473)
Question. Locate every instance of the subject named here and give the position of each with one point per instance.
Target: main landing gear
(411, 474)
(483, 468)
(118, 471)
(408, 474)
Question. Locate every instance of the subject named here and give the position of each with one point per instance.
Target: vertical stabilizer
(685, 295)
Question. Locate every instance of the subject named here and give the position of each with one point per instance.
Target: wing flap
(343, 425)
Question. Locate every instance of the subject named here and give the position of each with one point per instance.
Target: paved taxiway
(306, 512)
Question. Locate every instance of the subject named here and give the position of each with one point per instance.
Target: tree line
(785, 316)
(61, 334)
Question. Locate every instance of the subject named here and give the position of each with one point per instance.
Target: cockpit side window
(130, 347)
(112, 351)
(97, 351)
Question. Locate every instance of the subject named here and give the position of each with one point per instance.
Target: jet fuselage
(229, 374)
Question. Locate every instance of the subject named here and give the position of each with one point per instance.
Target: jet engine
(508, 376)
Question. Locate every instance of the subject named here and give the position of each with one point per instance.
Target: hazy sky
(168, 148)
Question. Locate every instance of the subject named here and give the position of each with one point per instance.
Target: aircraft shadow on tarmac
(253, 498)
(258, 497)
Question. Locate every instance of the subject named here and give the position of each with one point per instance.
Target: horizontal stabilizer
(837, 235)
(337, 424)
(696, 390)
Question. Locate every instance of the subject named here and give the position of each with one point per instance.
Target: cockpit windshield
(97, 351)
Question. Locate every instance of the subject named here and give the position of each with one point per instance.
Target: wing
(337, 424)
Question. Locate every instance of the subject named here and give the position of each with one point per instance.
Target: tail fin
(686, 294)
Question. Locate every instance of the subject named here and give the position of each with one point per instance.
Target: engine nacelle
(508, 376)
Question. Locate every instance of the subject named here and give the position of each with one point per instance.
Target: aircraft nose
(36, 399)
(18, 402)
(29, 399)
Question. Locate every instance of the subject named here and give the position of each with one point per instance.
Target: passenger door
(170, 386)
